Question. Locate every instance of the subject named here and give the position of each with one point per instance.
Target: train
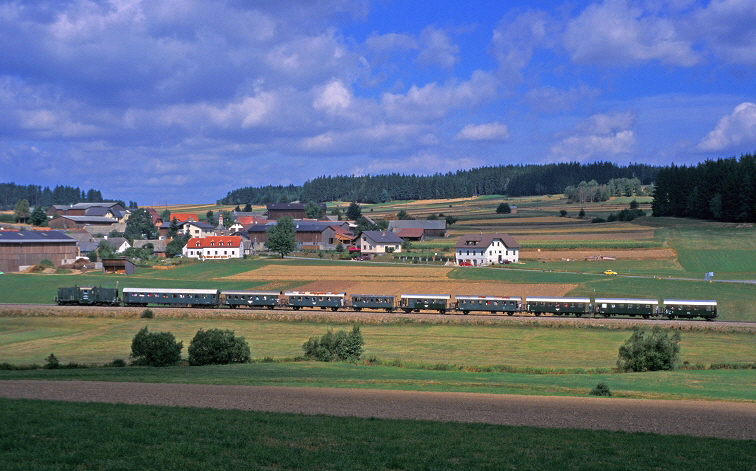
(407, 303)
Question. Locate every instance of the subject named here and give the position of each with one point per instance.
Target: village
(75, 234)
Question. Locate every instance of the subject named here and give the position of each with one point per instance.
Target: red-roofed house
(184, 217)
(411, 233)
(214, 247)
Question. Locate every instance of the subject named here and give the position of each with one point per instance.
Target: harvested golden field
(660, 253)
(347, 272)
(451, 287)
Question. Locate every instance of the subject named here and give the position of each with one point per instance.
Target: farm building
(310, 235)
(374, 243)
(214, 247)
(22, 249)
(106, 209)
(486, 249)
(431, 228)
(100, 223)
(118, 265)
(294, 210)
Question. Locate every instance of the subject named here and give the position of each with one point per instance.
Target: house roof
(214, 241)
(184, 217)
(157, 245)
(485, 240)
(90, 219)
(410, 232)
(201, 225)
(97, 211)
(291, 206)
(34, 237)
(426, 224)
(116, 242)
(246, 220)
(380, 237)
(105, 204)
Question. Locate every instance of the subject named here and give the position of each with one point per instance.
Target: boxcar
(690, 308)
(608, 307)
(508, 304)
(431, 302)
(88, 296)
(372, 301)
(300, 299)
(558, 306)
(171, 297)
(253, 299)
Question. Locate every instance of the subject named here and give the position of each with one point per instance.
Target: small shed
(118, 265)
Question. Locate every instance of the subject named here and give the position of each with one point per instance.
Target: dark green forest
(511, 180)
(10, 194)
(720, 190)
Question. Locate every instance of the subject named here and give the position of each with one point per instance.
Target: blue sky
(179, 101)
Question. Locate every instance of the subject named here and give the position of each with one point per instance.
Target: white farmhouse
(214, 247)
(374, 243)
(486, 249)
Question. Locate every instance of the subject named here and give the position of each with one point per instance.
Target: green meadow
(47, 435)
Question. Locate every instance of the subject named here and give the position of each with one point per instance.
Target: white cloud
(615, 33)
(436, 48)
(484, 132)
(602, 136)
(333, 98)
(728, 28)
(735, 131)
(515, 39)
(435, 101)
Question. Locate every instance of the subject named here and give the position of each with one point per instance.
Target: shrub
(51, 362)
(217, 347)
(118, 363)
(598, 220)
(649, 350)
(601, 389)
(503, 208)
(563, 212)
(147, 314)
(341, 346)
(155, 348)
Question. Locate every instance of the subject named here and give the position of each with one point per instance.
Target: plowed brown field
(391, 281)
(660, 253)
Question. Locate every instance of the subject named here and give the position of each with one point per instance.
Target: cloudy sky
(180, 101)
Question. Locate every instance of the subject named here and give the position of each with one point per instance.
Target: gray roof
(107, 204)
(86, 247)
(157, 244)
(90, 219)
(426, 224)
(380, 237)
(35, 237)
(201, 225)
(484, 240)
(97, 211)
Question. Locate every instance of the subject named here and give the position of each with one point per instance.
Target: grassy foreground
(40, 435)
(28, 340)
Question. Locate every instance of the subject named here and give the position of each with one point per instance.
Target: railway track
(365, 315)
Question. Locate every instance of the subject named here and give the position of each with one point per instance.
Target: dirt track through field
(694, 418)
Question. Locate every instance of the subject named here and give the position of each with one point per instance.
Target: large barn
(22, 249)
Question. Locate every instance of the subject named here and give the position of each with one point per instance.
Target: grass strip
(727, 385)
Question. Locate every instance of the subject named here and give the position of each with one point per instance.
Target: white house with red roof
(486, 249)
(214, 248)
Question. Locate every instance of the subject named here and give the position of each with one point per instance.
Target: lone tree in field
(282, 237)
(155, 348)
(649, 350)
(217, 347)
(503, 208)
(339, 346)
